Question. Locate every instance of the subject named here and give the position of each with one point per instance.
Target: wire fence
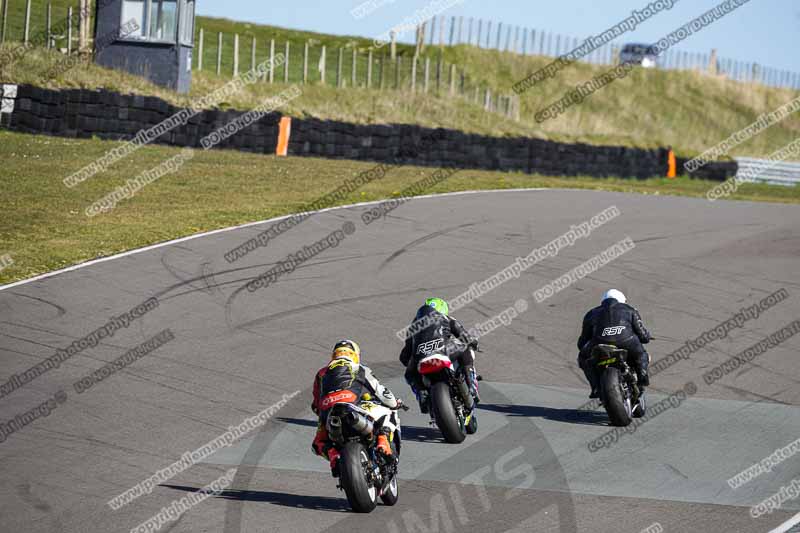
(348, 66)
(40, 23)
(487, 34)
(27, 20)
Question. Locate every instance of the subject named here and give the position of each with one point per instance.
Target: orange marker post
(284, 132)
(671, 165)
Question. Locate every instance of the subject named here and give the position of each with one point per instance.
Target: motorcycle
(618, 384)
(449, 400)
(364, 474)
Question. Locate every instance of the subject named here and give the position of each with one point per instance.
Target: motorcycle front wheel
(391, 494)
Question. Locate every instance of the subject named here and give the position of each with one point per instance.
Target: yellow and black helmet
(347, 349)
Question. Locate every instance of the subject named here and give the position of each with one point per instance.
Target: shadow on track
(410, 433)
(297, 501)
(298, 421)
(422, 434)
(572, 416)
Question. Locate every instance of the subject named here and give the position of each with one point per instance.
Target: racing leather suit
(343, 380)
(618, 324)
(428, 327)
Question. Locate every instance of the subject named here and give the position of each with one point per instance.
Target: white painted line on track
(786, 526)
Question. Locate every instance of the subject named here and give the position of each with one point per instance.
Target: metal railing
(766, 171)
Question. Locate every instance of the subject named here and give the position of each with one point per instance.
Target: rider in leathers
(344, 379)
(432, 324)
(617, 323)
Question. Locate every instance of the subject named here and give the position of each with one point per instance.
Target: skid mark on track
(675, 470)
(421, 240)
(742, 393)
(60, 310)
(290, 312)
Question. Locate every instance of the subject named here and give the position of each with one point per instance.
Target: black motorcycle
(364, 474)
(449, 400)
(619, 389)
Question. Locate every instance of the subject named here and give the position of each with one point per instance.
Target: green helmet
(438, 304)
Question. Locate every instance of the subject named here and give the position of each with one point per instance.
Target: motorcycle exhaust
(360, 423)
(335, 428)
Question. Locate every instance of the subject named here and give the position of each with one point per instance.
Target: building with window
(151, 38)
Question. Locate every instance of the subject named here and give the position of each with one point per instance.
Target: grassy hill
(688, 110)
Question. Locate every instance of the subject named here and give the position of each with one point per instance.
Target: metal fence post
(460, 27)
(219, 53)
(28, 20)
(305, 63)
(414, 74)
(480, 29)
(286, 64)
(452, 29)
(499, 34)
(380, 74)
(235, 54)
(469, 31)
(339, 69)
(369, 69)
(83, 26)
(272, 60)
(353, 69)
(439, 73)
(253, 54)
(200, 50)
(69, 30)
(4, 17)
(322, 64)
(427, 74)
(49, 23)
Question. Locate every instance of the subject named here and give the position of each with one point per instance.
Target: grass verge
(43, 226)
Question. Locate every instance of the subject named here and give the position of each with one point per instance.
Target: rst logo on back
(427, 348)
(614, 330)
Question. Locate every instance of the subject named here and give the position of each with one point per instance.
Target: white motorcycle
(364, 474)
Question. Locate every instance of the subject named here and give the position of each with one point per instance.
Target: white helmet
(615, 294)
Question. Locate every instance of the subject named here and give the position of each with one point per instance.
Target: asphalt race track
(529, 468)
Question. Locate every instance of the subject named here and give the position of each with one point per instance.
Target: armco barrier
(767, 171)
(108, 115)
